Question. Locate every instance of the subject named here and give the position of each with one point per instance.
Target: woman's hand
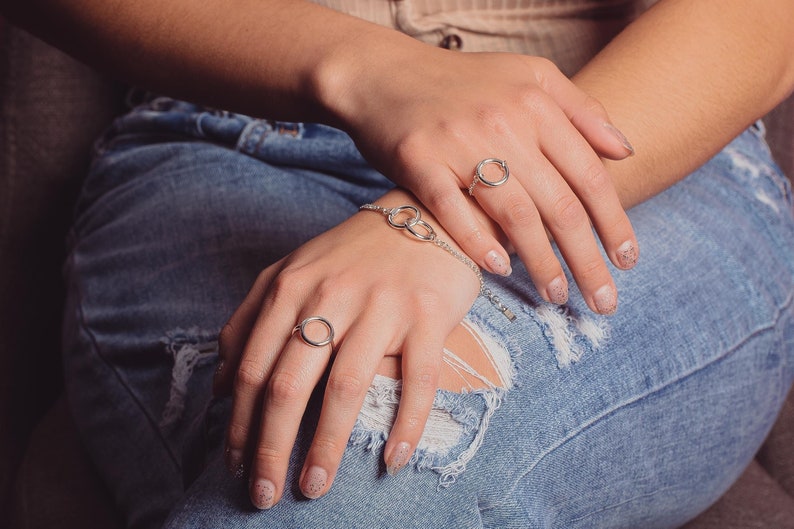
(385, 293)
(424, 116)
(434, 115)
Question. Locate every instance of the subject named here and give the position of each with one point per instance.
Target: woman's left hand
(385, 293)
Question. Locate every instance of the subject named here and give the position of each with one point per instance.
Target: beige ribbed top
(569, 32)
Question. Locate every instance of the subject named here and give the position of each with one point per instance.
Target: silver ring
(302, 328)
(479, 177)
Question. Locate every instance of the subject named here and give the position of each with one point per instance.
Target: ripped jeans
(641, 419)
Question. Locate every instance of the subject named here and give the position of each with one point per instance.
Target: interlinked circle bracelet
(422, 231)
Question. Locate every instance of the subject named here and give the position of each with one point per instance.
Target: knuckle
(545, 264)
(289, 281)
(268, 456)
(347, 386)
(415, 420)
(591, 271)
(595, 179)
(408, 148)
(261, 277)
(520, 212)
(327, 445)
(284, 388)
(331, 289)
(441, 201)
(424, 381)
(471, 237)
(492, 119)
(237, 434)
(533, 99)
(426, 307)
(544, 69)
(593, 106)
(544, 65)
(568, 213)
(385, 296)
(250, 376)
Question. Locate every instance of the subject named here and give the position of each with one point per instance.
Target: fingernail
(263, 494)
(606, 300)
(398, 458)
(627, 254)
(234, 462)
(620, 136)
(497, 264)
(314, 482)
(557, 291)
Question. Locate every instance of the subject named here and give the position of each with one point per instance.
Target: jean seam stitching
(94, 345)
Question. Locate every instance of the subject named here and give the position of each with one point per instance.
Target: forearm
(261, 57)
(686, 78)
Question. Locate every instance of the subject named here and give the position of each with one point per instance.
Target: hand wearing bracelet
(411, 224)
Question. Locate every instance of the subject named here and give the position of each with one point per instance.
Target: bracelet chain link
(424, 232)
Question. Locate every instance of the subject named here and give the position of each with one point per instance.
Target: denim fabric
(641, 419)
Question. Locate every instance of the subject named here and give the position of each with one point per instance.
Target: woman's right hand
(426, 117)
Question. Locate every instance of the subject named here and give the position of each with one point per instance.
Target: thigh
(644, 418)
(639, 419)
(182, 209)
(165, 249)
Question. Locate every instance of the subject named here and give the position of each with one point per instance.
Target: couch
(51, 108)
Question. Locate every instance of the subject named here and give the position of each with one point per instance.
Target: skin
(680, 82)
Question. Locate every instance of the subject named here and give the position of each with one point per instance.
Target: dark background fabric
(51, 109)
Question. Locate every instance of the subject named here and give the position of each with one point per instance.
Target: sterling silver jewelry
(426, 233)
(301, 327)
(479, 177)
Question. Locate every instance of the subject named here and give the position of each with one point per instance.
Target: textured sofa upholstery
(51, 108)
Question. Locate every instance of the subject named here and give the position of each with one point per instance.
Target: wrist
(408, 217)
(344, 79)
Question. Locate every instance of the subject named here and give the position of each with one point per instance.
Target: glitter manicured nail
(497, 264)
(398, 459)
(557, 291)
(627, 255)
(263, 494)
(234, 462)
(314, 482)
(606, 300)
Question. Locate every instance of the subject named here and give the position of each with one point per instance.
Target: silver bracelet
(421, 230)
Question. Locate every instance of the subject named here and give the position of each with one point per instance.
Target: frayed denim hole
(189, 348)
(456, 426)
(754, 164)
(252, 136)
(569, 334)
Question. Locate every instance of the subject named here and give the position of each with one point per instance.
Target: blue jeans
(641, 419)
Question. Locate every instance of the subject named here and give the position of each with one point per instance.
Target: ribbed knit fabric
(569, 32)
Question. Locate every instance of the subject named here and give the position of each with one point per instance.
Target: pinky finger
(588, 115)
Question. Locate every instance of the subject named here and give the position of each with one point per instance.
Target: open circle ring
(301, 327)
(479, 177)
